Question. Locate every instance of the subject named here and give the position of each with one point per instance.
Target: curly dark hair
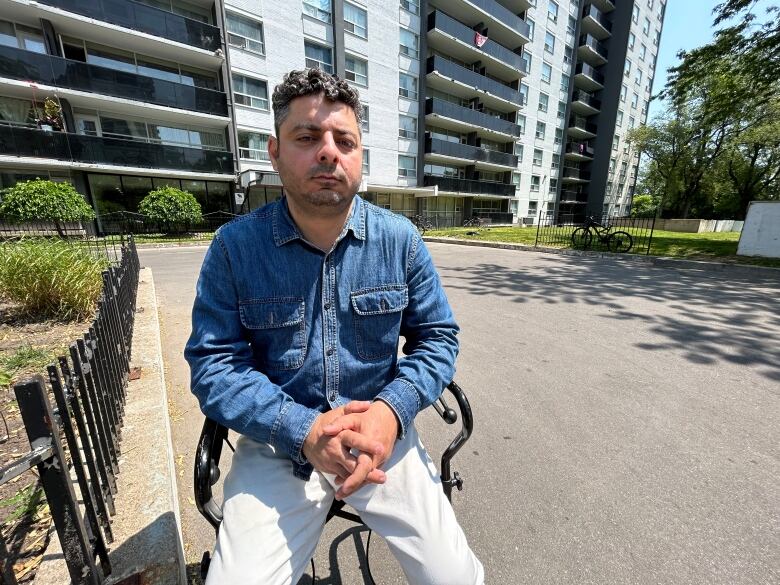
(298, 83)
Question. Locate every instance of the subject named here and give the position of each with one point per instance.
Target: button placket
(329, 330)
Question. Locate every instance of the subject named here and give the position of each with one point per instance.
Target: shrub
(171, 208)
(51, 278)
(42, 200)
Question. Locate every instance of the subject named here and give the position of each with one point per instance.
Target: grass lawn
(708, 246)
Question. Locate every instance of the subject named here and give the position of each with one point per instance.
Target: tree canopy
(44, 200)
(171, 208)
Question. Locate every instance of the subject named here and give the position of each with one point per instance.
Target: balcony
(31, 142)
(574, 175)
(469, 187)
(146, 19)
(29, 66)
(591, 50)
(579, 151)
(580, 128)
(586, 77)
(454, 117)
(443, 151)
(573, 197)
(505, 26)
(584, 103)
(454, 79)
(604, 5)
(595, 23)
(455, 38)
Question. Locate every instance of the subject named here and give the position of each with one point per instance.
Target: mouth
(325, 178)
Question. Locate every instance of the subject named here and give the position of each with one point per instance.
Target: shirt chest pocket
(377, 316)
(277, 331)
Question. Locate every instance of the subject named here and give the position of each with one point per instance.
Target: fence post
(39, 422)
(650, 241)
(538, 227)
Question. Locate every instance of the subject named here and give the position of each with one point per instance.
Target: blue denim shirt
(282, 332)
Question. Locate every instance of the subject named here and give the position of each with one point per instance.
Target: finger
(362, 443)
(376, 476)
(337, 425)
(339, 480)
(358, 477)
(356, 406)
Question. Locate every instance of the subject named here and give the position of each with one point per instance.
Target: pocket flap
(376, 301)
(271, 314)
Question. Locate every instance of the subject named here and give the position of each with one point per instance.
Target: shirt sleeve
(431, 345)
(224, 377)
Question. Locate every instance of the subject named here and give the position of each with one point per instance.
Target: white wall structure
(761, 233)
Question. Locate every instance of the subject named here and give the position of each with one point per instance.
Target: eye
(348, 144)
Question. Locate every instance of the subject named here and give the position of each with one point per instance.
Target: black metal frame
(213, 435)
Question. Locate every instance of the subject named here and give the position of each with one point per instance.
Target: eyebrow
(316, 128)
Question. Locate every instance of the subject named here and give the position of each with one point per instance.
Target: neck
(319, 229)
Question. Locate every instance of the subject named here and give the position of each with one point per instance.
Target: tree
(171, 208)
(643, 206)
(43, 200)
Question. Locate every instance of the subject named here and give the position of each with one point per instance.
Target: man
(296, 325)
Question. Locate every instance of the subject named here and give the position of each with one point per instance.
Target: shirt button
(330, 351)
(327, 306)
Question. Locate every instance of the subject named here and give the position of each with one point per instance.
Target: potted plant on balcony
(52, 116)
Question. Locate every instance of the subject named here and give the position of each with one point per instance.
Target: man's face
(319, 155)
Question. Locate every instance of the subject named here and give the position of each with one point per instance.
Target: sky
(687, 24)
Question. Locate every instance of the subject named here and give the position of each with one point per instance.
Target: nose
(329, 151)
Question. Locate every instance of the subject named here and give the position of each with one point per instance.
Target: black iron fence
(75, 443)
(604, 234)
(127, 222)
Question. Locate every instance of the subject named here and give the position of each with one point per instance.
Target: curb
(659, 261)
(147, 545)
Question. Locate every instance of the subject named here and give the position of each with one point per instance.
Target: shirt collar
(285, 229)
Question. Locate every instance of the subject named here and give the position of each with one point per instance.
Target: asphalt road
(627, 421)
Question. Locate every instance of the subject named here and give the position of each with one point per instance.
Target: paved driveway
(626, 421)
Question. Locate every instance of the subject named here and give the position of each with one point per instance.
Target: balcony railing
(31, 142)
(569, 196)
(580, 148)
(454, 185)
(473, 79)
(147, 19)
(69, 74)
(582, 124)
(594, 44)
(591, 11)
(454, 28)
(590, 71)
(471, 117)
(574, 173)
(504, 15)
(468, 152)
(586, 98)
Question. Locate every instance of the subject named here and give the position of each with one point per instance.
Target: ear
(273, 151)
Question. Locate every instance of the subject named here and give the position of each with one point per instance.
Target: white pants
(273, 520)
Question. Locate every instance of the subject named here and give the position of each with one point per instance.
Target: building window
(319, 9)
(366, 159)
(245, 33)
(631, 121)
(627, 68)
(552, 11)
(524, 93)
(615, 142)
(253, 146)
(565, 84)
(549, 42)
(364, 124)
(519, 152)
(536, 181)
(407, 166)
(619, 121)
(250, 92)
(355, 20)
(407, 127)
(612, 163)
(631, 40)
(531, 27)
(568, 53)
(407, 86)
(546, 72)
(571, 26)
(541, 128)
(318, 57)
(623, 93)
(556, 161)
(638, 76)
(558, 136)
(516, 178)
(561, 110)
(635, 15)
(409, 43)
(521, 122)
(538, 154)
(634, 100)
(646, 26)
(356, 70)
(544, 101)
(642, 52)
(553, 185)
(412, 6)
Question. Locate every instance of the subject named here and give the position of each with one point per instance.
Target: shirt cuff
(404, 400)
(291, 428)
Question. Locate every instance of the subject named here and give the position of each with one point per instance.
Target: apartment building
(138, 99)
(506, 109)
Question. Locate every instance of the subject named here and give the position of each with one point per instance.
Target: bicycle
(473, 221)
(617, 241)
(422, 223)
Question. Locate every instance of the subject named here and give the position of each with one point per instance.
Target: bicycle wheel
(619, 242)
(581, 238)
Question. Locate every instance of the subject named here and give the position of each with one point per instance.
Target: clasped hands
(366, 428)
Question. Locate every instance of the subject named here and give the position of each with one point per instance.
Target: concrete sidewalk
(148, 545)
